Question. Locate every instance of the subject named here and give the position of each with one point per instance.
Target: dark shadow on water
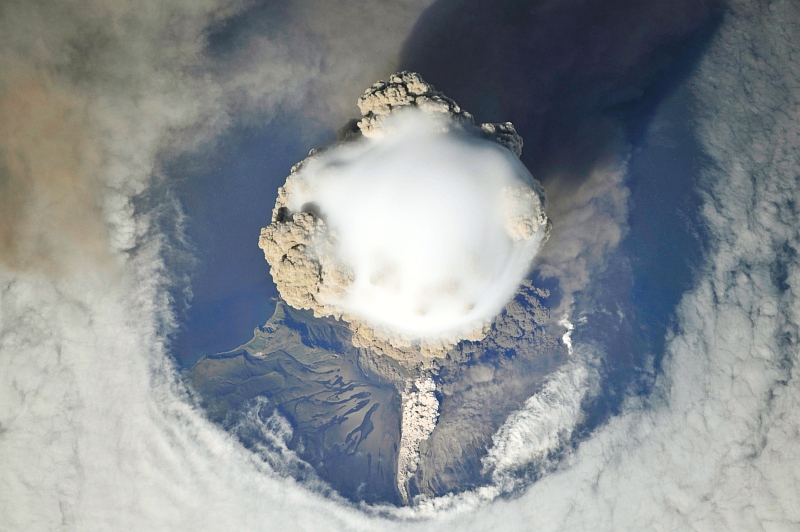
(581, 79)
(632, 302)
(574, 76)
(667, 241)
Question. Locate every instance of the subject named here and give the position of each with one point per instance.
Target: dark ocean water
(627, 95)
(631, 302)
(583, 81)
(227, 197)
(228, 202)
(666, 240)
(568, 116)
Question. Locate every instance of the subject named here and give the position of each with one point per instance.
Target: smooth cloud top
(417, 232)
(424, 221)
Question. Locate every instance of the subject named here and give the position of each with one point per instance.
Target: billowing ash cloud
(417, 231)
(95, 434)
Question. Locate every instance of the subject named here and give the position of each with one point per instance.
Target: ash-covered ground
(345, 404)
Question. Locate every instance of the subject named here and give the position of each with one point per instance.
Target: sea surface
(227, 197)
(629, 304)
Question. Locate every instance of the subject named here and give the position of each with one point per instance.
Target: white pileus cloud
(95, 434)
(420, 230)
(438, 228)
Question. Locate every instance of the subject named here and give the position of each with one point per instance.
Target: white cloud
(421, 233)
(543, 425)
(95, 434)
(716, 447)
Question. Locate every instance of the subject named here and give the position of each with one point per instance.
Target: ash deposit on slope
(374, 429)
(416, 228)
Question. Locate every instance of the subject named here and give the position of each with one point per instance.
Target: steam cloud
(95, 434)
(418, 232)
